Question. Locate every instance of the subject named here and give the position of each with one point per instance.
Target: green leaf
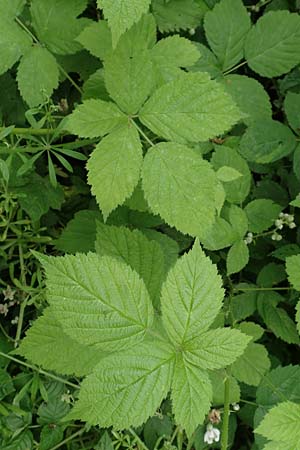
(37, 75)
(48, 346)
(52, 28)
(191, 296)
(237, 257)
(243, 305)
(292, 110)
(14, 42)
(96, 38)
(126, 388)
(175, 15)
(252, 365)
(187, 199)
(250, 96)
(53, 411)
(121, 15)
(236, 190)
(239, 220)
(190, 108)
(169, 246)
(296, 163)
(175, 51)
(216, 348)
(298, 316)
(271, 274)
(97, 300)
(227, 173)
(24, 441)
(50, 437)
(293, 270)
(220, 235)
(136, 250)
(251, 329)
(262, 214)
(272, 46)
(207, 62)
(267, 141)
(281, 424)
(95, 118)
(6, 384)
(94, 87)
(191, 395)
(226, 27)
(296, 202)
(129, 79)
(218, 379)
(114, 168)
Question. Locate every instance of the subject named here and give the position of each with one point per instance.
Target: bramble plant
(149, 212)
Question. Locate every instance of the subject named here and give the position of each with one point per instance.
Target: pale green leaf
(136, 250)
(293, 270)
(252, 329)
(252, 365)
(296, 201)
(56, 24)
(227, 173)
(180, 186)
(262, 214)
(48, 346)
(175, 51)
(175, 15)
(292, 110)
(126, 388)
(238, 219)
(276, 445)
(226, 27)
(281, 424)
(97, 300)
(250, 96)
(190, 108)
(220, 235)
(266, 141)
(272, 46)
(121, 15)
(14, 42)
(237, 257)
(114, 168)
(191, 296)
(129, 79)
(37, 75)
(96, 38)
(191, 395)
(216, 348)
(12, 8)
(236, 190)
(95, 118)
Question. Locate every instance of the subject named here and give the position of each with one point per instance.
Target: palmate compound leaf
(122, 14)
(48, 346)
(226, 27)
(191, 108)
(114, 167)
(135, 249)
(181, 187)
(272, 46)
(98, 301)
(127, 388)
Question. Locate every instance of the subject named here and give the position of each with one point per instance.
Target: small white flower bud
(290, 218)
(235, 406)
(279, 224)
(192, 31)
(281, 215)
(274, 237)
(278, 237)
(292, 225)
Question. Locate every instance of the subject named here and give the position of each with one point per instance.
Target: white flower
(292, 225)
(279, 223)
(249, 238)
(235, 406)
(211, 435)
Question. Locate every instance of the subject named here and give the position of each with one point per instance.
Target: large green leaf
(251, 367)
(56, 24)
(207, 62)
(174, 15)
(226, 27)
(96, 38)
(48, 346)
(114, 168)
(190, 108)
(122, 14)
(191, 296)
(136, 250)
(191, 395)
(293, 270)
(95, 118)
(98, 301)
(126, 388)
(272, 46)
(180, 186)
(37, 75)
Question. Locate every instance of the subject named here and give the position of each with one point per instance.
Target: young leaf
(126, 388)
(293, 271)
(121, 15)
(190, 108)
(272, 46)
(261, 213)
(237, 258)
(180, 186)
(95, 118)
(136, 250)
(191, 394)
(52, 28)
(226, 27)
(267, 141)
(98, 301)
(114, 168)
(48, 346)
(292, 110)
(191, 296)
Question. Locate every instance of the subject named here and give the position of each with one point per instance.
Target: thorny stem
(226, 413)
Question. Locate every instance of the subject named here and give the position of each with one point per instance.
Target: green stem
(234, 68)
(138, 440)
(142, 133)
(78, 88)
(226, 413)
(264, 289)
(179, 439)
(41, 371)
(68, 439)
(32, 131)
